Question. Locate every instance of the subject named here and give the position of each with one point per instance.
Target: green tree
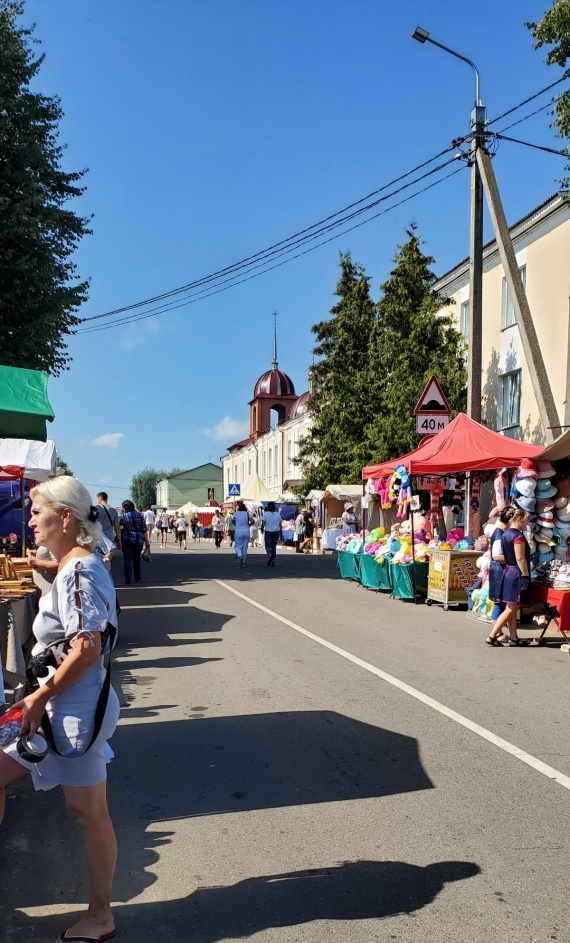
(143, 485)
(334, 450)
(554, 30)
(63, 466)
(413, 339)
(39, 289)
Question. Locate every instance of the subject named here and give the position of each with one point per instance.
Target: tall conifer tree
(335, 450)
(39, 290)
(411, 342)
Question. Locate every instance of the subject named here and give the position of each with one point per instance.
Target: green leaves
(40, 292)
(554, 31)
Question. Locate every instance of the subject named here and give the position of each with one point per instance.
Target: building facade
(279, 420)
(541, 242)
(199, 485)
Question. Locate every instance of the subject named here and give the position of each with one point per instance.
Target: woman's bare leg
(10, 770)
(88, 806)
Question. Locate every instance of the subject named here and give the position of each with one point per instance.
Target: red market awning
(464, 445)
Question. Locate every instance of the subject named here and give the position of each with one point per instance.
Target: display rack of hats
(544, 492)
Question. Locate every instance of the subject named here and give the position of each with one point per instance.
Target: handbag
(145, 555)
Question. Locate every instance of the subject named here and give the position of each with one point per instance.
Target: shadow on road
(353, 890)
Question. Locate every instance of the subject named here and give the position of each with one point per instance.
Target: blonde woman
(80, 607)
(515, 580)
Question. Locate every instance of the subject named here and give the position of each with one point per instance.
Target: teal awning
(24, 404)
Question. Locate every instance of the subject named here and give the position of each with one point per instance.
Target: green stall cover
(348, 565)
(24, 404)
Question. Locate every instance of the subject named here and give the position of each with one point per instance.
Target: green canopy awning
(24, 404)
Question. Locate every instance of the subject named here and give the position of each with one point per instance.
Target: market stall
(464, 448)
(333, 500)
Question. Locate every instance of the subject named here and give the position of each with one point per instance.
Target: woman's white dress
(72, 713)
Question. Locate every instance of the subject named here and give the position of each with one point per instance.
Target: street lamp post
(478, 118)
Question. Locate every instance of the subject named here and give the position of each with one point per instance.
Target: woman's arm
(84, 653)
(520, 556)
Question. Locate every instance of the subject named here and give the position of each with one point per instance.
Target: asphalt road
(327, 765)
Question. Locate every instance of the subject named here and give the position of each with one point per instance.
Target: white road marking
(170, 605)
(488, 735)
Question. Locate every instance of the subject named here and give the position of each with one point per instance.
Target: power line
(201, 295)
(260, 259)
(303, 234)
(538, 147)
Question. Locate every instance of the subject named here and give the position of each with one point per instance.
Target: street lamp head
(420, 34)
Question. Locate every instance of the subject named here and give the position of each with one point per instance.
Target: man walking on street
(149, 518)
(218, 528)
(181, 529)
(162, 523)
(109, 521)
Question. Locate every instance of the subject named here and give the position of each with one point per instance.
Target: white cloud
(228, 430)
(109, 440)
(143, 332)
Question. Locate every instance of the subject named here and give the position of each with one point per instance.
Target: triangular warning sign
(433, 400)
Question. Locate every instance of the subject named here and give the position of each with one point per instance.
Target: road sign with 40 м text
(431, 423)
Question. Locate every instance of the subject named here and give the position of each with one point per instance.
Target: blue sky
(213, 130)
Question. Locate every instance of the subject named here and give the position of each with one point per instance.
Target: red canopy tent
(464, 445)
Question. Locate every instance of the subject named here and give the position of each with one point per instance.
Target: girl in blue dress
(515, 579)
(497, 561)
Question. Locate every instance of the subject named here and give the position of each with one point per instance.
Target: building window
(235, 473)
(510, 399)
(249, 467)
(243, 470)
(264, 466)
(277, 462)
(289, 459)
(270, 462)
(508, 317)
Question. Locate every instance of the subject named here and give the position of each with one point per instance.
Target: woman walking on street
(230, 527)
(299, 531)
(218, 529)
(515, 580)
(271, 532)
(242, 521)
(76, 613)
(134, 537)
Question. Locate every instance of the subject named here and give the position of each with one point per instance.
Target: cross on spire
(274, 366)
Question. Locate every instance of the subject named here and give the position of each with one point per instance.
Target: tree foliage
(334, 449)
(143, 485)
(553, 31)
(39, 289)
(374, 362)
(413, 339)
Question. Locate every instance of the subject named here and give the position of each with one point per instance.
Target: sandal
(513, 642)
(493, 640)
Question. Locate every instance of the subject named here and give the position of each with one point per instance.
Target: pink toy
(433, 514)
(500, 485)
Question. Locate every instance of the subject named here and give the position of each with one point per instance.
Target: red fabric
(464, 445)
(12, 471)
(559, 598)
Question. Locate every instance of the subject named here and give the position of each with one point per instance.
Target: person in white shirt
(181, 529)
(218, 529)
(271, 532)
(162, 523)
(149, 518)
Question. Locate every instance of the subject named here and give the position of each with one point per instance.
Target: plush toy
(500, 485)
(436, 493)
(405, 492)
(393, 488)
(457, 503)
(475, 493)
(382, 492)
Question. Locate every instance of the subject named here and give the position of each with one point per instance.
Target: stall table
(451, 574)
(349, 565)
(556, 604)
(374, 575)
(402, 579)
(328, 540)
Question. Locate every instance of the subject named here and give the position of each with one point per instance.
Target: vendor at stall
(348, 517)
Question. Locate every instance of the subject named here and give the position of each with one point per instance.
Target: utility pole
(475, 351)
(531, 347)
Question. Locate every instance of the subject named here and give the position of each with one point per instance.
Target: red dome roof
(274, 383)
(300, 406)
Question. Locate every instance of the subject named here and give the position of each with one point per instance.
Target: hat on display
(560, 502)
(563, 528)
(546, 519)
(563, 514)
(525, 504)
(544, 504)
(528, 463)
(544, 537)
(545, 488)
(526, 486)
(543, 556)
(563, 485)
(526, 472)
(545, 469)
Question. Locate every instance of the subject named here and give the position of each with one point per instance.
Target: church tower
(273, 391)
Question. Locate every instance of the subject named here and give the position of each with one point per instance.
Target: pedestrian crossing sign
(234, 491)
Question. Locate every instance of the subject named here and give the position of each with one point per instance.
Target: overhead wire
(215, 291)
(233, 273)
